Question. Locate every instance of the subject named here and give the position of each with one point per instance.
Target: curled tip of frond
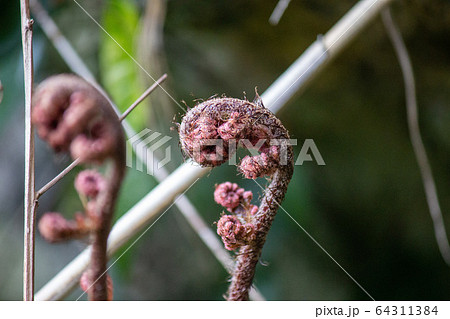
(210, 134)
(72, 115)
(68, 110)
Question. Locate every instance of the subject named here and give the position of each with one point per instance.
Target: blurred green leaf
(119, 73)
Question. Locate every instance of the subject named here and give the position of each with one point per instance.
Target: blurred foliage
(119, 73)
(366, 207)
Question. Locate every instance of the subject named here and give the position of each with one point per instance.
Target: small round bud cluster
(236, 230)
(55, 228)
(89, 183)
(233, 198)
(261, 165)
(234, 234)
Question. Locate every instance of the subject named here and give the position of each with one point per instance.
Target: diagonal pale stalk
(293, 80)
(29, 200)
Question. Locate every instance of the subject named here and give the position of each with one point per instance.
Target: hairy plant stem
(98, 291)
(248, 255)
(99, 258)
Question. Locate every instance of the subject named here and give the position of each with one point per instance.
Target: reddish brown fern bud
(89, 183)
(209, 134)
(210, 131)
(71, 115)
(256, 166)
(237, 230)
(234, 234)
(55, 228)
(229, 195)
(97, 145)
(234, 199)
(235, 127)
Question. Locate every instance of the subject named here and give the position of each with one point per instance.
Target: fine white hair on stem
(415, 135)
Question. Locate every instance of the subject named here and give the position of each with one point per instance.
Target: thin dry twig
(415, 135)
(29, 200)
(57, 178)
(143, 96)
